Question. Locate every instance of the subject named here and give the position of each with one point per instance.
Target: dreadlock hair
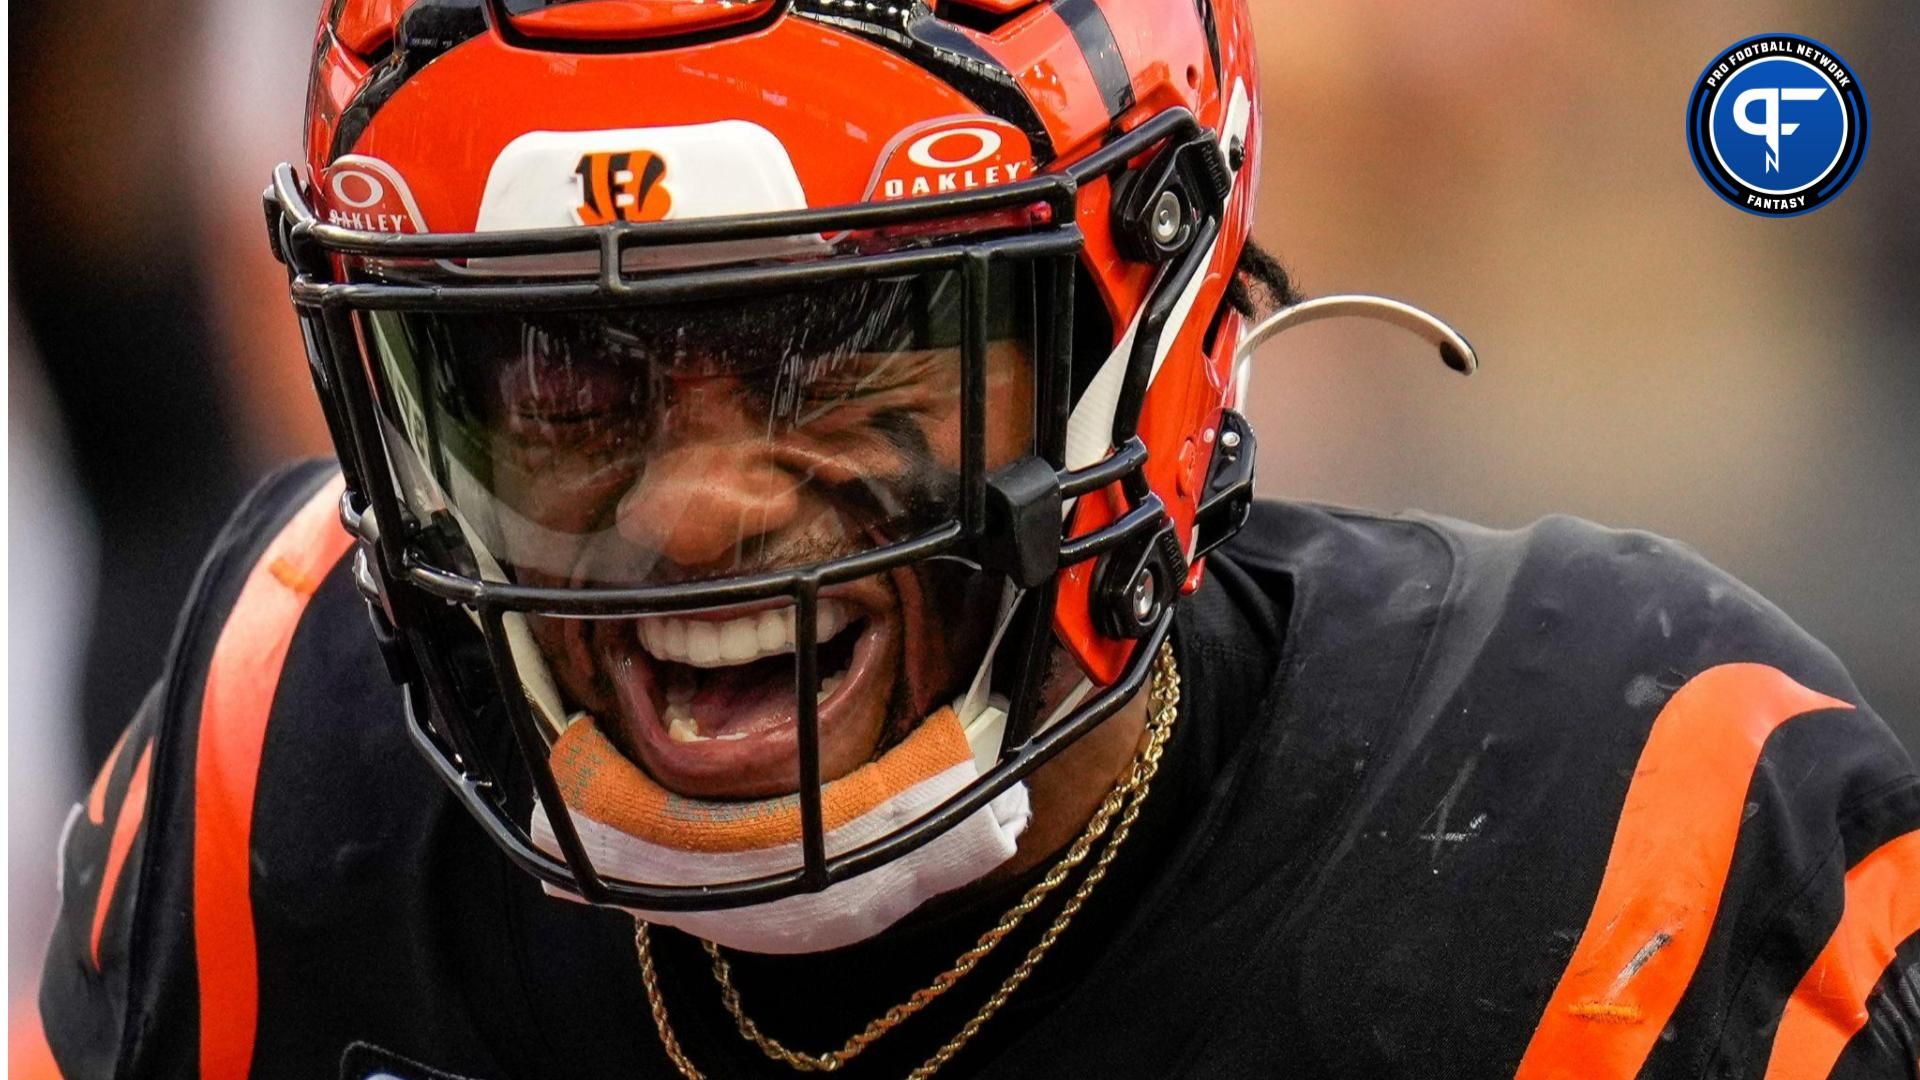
(1261, 286)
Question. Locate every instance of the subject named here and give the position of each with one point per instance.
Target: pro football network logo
(1777, 125)
(622, 185)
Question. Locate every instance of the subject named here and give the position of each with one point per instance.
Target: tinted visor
(685, 442)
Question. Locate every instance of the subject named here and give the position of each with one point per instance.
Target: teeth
(683, 728)
(739, 640)
(703, 644)
(707, 643)
(774, 630)
(828, 685)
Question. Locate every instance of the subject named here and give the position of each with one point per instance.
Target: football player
(788, 457)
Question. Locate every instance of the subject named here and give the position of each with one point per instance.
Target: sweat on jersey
(1442, 802)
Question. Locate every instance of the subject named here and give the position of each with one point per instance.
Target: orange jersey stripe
(1830, 1004)
(133, 810)
(28, 1055)
(233, 727)
(1665, 872)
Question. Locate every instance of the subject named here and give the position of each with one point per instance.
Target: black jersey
(1441, 802)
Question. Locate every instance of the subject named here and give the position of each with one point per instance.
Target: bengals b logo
(622, 185)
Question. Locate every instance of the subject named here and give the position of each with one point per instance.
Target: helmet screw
(1236, 153)
(1166, 218)
(1230, 439)
(1144, 600)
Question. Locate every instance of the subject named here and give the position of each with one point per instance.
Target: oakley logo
(952, 155)
(622, 185)
(357, 188)
(365, 193)
(924, 152)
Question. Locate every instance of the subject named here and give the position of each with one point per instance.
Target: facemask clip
(1022, 539)
(1157, 210)
(1135, 582)
(1227, 499)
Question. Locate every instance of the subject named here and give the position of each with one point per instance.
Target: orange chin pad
(600, 782)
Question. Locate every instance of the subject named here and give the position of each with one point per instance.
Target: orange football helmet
(536, 241)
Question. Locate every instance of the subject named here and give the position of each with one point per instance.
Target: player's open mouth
(709, 698)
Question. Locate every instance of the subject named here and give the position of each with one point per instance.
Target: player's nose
(700, 499)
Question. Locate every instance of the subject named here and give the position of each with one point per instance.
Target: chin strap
(982, 713)
(635, 829)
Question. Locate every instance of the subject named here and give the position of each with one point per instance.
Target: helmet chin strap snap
(1455, 352)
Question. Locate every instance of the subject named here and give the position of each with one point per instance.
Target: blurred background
(1653, 357)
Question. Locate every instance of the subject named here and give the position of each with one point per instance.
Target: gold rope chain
(1123, 803)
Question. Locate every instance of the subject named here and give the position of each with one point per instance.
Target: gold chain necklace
(1122, 803)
